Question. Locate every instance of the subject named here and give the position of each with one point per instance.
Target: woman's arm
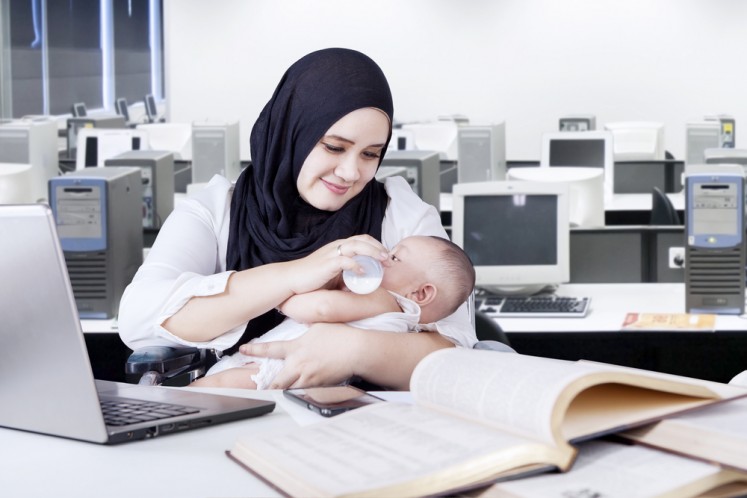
(383, 358)
(249, 293)
(338, 306)
(184, 295)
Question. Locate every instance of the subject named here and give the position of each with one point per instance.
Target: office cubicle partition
(625, 254)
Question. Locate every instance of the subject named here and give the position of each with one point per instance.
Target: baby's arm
(333, 306)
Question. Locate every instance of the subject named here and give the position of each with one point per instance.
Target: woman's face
(344, 160)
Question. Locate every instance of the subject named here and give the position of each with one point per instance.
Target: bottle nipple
(369, 280)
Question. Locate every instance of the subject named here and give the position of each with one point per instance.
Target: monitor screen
(122, 109)
(79, 110)
(577, 153)
(150, 108)
(581, 149)
(516, 233)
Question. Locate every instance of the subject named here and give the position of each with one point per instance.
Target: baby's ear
(425, 294)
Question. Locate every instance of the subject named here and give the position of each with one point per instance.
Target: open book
(610, 469)
(477, 416)
(715, 434)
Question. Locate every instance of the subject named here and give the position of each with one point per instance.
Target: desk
(717, 355)
(621, 209)
(189, 464)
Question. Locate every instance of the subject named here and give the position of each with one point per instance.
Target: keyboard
(131, 411)
(535, 306)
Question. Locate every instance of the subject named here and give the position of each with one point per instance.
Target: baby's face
(409, 263)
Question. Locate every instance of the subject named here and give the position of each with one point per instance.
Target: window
(90, 51)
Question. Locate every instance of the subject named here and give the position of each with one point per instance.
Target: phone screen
(329, 401)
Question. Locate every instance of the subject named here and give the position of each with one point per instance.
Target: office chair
(167, 365)
(662, 209)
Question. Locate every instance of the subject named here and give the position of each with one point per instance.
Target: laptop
(46, 382)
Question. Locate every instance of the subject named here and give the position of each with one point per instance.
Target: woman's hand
(324, 265)
(323, 356)
(329, 354)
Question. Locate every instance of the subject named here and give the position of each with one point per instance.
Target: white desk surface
(609, 305)
(619, 202)
(183, 465)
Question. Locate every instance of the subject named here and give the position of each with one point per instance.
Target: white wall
(527, 62)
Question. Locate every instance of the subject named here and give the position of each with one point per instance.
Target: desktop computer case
(99, 221)
(157, 169)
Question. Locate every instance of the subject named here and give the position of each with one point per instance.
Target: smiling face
(344, 160)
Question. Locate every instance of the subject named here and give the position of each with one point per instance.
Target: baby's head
(432, 271)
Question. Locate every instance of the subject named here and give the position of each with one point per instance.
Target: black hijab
(269, 220)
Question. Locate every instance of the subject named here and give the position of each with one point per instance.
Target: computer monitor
(96, 145)
(17, 184)
(122, 109)
(592, 149)
(577, 122)
(516, 234)
(151, 110)
(438, 136)
(79, 110)
(173, 137)
(585, 190)
(32, 141)
(637, 140)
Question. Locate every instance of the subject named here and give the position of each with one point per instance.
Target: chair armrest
(162, 359)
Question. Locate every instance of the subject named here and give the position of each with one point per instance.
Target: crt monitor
(516, 234)
(96, 145)
(151, 110)
(585, 190)
(122, 109)
(79, 110)
(637, 140)
(587, 149)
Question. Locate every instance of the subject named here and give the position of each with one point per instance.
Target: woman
(227, 257)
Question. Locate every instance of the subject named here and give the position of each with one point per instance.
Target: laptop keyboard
(132, 411)
(535, 306)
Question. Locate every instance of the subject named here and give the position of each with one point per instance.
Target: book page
(386, 444)
(518, 392)
(606, 469)
(511, 391)
(716, 433)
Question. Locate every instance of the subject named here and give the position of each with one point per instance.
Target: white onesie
(395, 321)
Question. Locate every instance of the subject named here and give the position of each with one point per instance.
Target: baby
(428, 280)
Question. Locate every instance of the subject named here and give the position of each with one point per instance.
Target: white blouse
(188, 259)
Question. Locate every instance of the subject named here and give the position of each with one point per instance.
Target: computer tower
(157, 170)
(578, 122)
(215, 151)
(715, 246)
(701, 135)
(32, 141)
(75, 124)
(99, 223)
(423, 172)
(482, 153)
(727, 129)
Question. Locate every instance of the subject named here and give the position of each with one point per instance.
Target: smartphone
(331, 401)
